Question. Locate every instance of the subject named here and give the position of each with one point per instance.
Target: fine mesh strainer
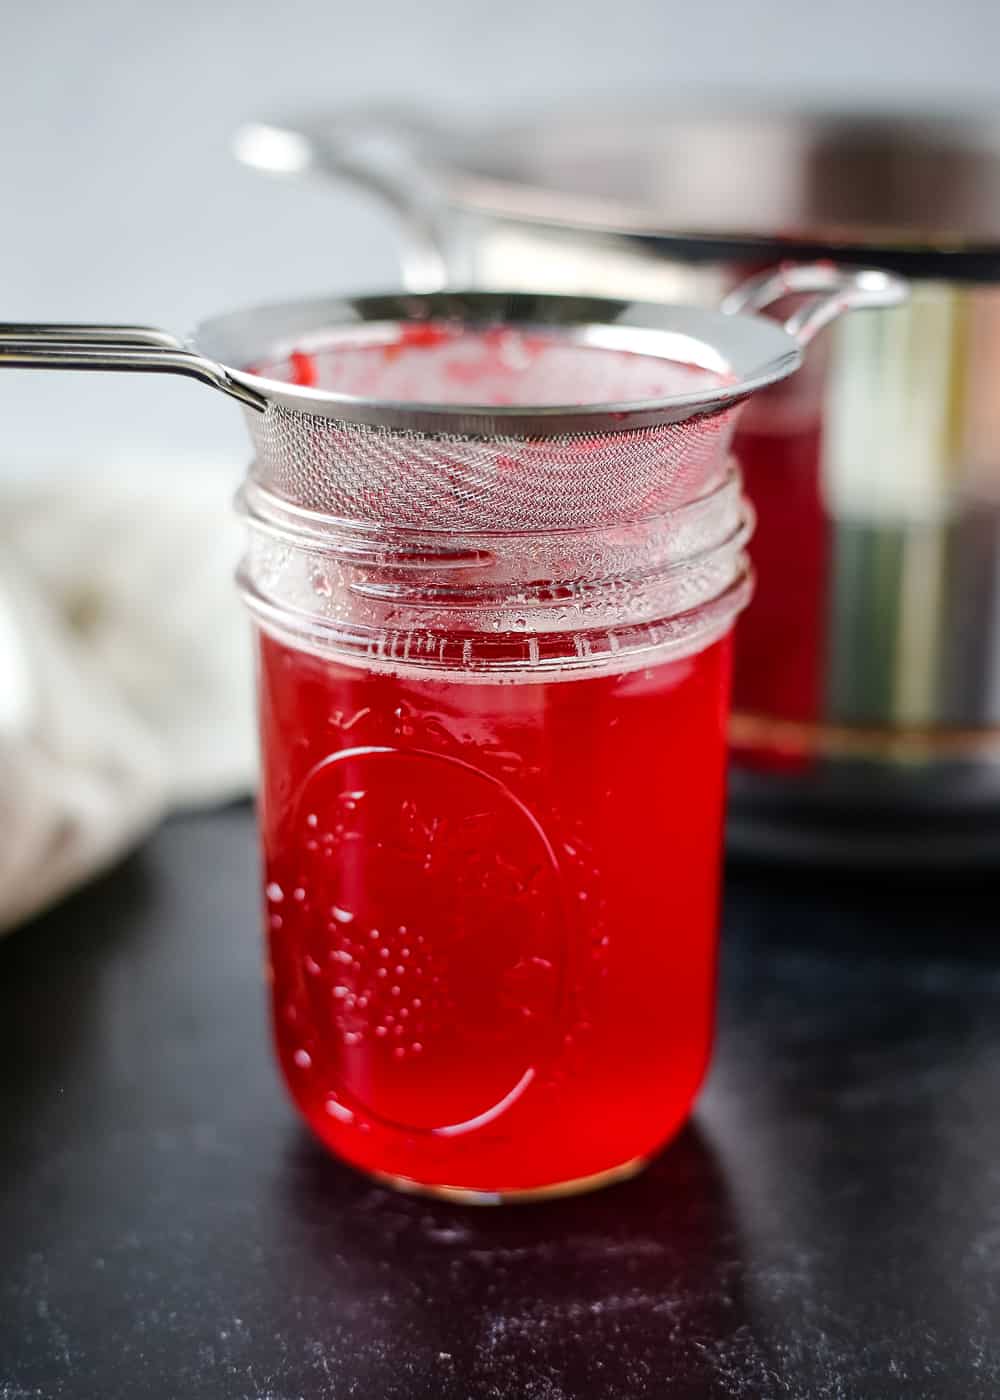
(483, 410)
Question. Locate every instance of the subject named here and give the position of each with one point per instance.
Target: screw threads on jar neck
(511, 601)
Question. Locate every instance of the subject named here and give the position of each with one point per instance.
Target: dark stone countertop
(829, 1226)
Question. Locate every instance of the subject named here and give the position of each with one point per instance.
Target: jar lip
(265, 509)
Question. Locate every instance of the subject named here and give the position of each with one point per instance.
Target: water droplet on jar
(299, 894)
(374, 933)
(276, 922)
(341, 991)
(383, 952)
(417, 1003)
(312, 819)
(399, 969)
(311, 966)
(394, 991)
(343, 916)
(303, 1059)
(399, 1052)
(416, 1047)
(275, 893)
(381, 1031)
(362, 1003)
(351, 1037)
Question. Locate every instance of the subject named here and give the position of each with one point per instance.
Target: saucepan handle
(831, 289)
(387, 150)
(27, 345)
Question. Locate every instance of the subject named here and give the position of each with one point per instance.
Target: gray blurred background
(121, 200)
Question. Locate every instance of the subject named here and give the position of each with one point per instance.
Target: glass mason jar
(492, 818)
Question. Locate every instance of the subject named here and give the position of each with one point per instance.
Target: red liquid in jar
(492, 910)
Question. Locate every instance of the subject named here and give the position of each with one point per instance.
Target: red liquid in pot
(779, 668)
(491, 910)
(779, 675)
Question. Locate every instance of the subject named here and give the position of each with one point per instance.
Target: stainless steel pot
(867, 721)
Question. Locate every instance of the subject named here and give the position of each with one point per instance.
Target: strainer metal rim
(755, 351)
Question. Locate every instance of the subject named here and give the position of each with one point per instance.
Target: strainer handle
(26, 345)
(834, 290)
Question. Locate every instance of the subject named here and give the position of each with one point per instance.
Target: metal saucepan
(867, 702)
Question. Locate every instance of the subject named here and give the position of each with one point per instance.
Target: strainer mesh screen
(459, 481)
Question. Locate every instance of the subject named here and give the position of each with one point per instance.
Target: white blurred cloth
(125, 670)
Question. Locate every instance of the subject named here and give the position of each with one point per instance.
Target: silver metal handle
(380, 149)
(136, 348)
(834, 289)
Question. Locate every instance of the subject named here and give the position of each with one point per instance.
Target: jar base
(516, 1195)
